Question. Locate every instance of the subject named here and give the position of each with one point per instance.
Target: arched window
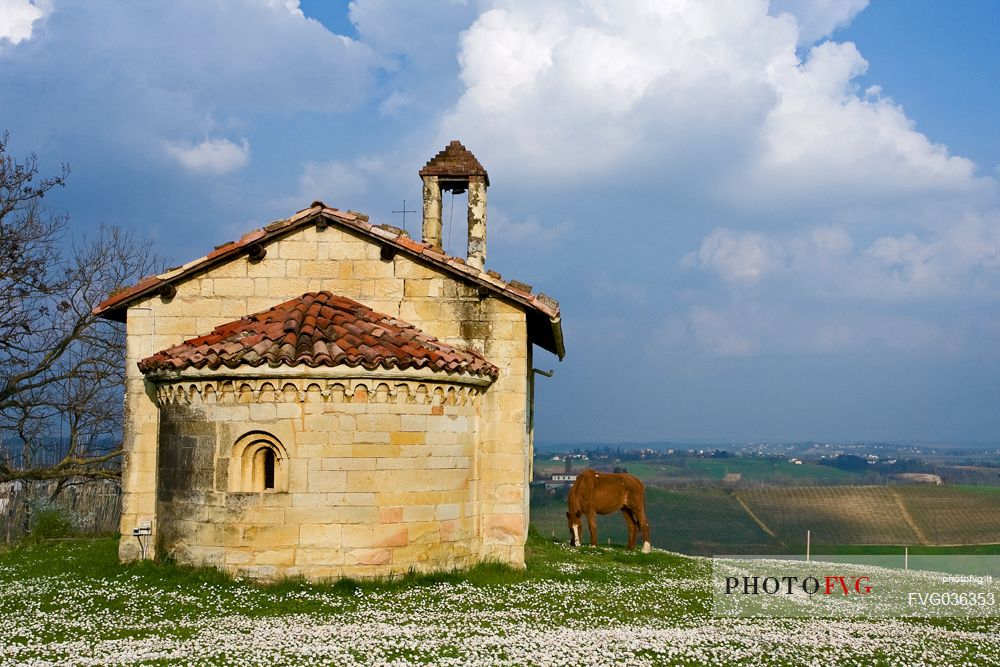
(259, 463)
(263, 469)
(268, 469)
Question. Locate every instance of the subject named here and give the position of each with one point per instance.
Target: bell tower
(456, 169)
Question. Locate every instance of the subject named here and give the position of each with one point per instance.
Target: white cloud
(720, 334)
(571, 89)
(422, 32)
(262, 53)
(140, 75)
(818, 18)
(739, 257)
(823, 195)
(18, 17)
(332, 182)
(418, 41)
(831, 241)
(290, 6)
(338, 182)
(961, 258)
(604, 286)
(527, 231)
(747, 329)
(821, 137)
(692, 96)
(394, 104)
(211, 156)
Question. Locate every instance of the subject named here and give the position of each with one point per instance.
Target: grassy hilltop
(71, 603)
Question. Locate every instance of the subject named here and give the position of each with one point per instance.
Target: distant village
(782, 464)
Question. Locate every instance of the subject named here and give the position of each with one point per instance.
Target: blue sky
(763, 221)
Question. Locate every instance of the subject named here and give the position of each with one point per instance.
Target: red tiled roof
(318, 329)
(544, 323)
(455, 160)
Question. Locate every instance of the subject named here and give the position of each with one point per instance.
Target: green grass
(896, 550)
(691, 520)
(71, 602)
(644, 470)
(185, 592)
(762, 470)
(97, 559)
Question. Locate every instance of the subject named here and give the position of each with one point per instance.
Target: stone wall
(350, 264)
(379, 476)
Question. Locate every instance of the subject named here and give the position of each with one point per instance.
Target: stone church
(328, 397)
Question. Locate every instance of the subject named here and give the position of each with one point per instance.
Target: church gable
(323, 248)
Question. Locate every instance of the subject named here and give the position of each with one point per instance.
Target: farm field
(72, 604)
(908, 515)
(710, 520)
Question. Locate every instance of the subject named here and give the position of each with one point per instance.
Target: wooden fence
(95, 507)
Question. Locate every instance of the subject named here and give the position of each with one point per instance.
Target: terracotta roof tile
(250, 237)
(410, 244)
(318, 329)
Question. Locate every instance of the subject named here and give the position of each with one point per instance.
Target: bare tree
(61, 367)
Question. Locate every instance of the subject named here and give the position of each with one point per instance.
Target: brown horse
(596, 493)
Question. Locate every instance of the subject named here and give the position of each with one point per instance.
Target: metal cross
(404, 211)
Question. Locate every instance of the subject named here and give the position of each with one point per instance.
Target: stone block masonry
(391, 507)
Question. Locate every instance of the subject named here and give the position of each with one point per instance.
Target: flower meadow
(70, 603)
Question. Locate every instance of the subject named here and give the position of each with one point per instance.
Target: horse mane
(583, 487)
